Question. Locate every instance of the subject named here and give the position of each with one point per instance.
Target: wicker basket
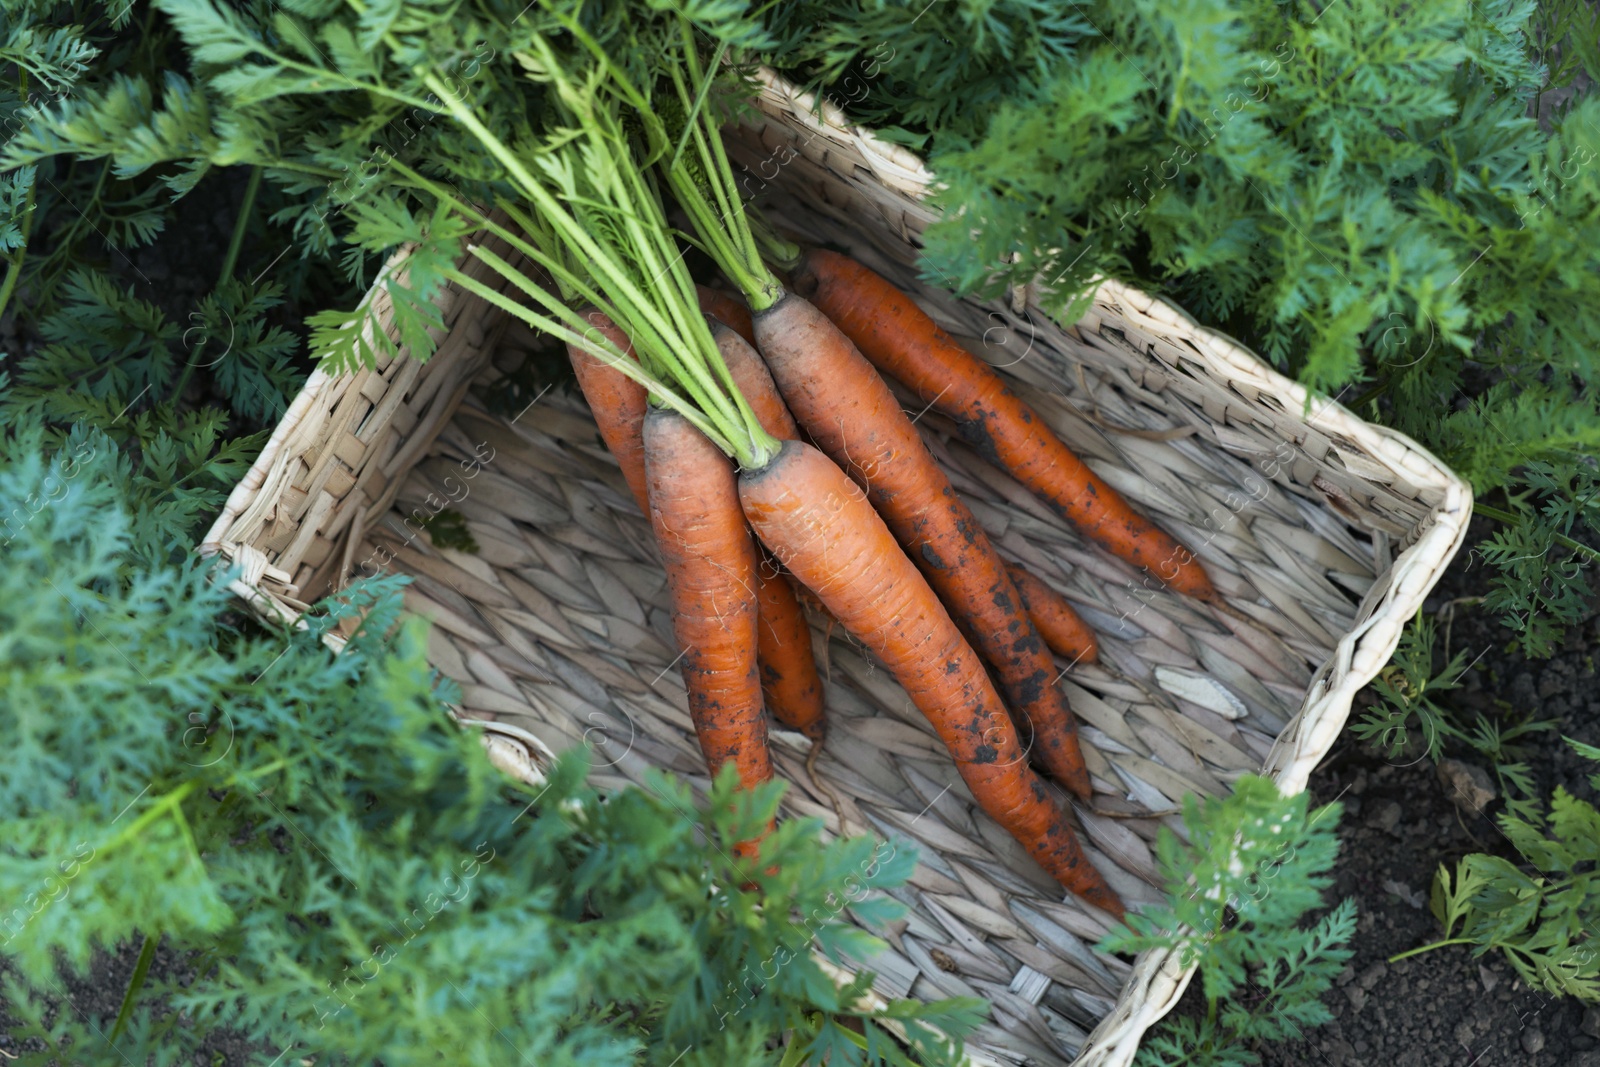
(1325, 531)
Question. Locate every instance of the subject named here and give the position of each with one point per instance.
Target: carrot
(789, 679)
(821, 525)
(1066, 634)
(854, 418)
(902, 341)
(727, 310)
(790, 683)
(754, 380)
(711, 565)
(616, 401)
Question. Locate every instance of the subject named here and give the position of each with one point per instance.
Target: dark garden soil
(98, 996)
(1445, 1008)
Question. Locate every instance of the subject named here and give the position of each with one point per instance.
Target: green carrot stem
(611, 276)
(647, 236)
(20, 253)
(162, 804)
(229, 261)
(733, 424)
(141, 969)
(693, 112)
(676, 369)
(236, 239)
(618, 79)
(656, 326)
(1431, 947)
(715, 207)
(551, 259)
(708, 136)
(614, 357)
(785, 254)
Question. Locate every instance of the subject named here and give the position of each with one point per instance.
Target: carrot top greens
(595, 226)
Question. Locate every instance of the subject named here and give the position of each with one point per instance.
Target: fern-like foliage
(1256, 863)
(1543, 920)
(330, 851)
(1407, 691)
(52, 58)
(912, 68)
(107, 351)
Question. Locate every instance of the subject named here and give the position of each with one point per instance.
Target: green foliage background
(345, 874)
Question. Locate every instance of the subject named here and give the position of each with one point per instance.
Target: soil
(97, 997)
(1447, 1008)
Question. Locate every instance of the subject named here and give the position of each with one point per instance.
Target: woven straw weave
(1324, 532)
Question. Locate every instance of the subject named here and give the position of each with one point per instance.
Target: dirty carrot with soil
(789, 679)
(1063, 630)
(710, 562)
(821, 525)
(852, 416)
(839, 400)
(702, 181)
(754, 380)
(726, 309)
(790, 683)
(903, 342)
(616, 401)
(789, 676)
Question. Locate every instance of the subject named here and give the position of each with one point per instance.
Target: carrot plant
(1542, 920)
(1408, 692)
(183, 386)
(1238, 893)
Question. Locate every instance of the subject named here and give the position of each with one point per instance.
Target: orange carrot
(854, 418)
(902, 341)
(754, 380)
(726, 309)
(789, 679)
(616, 401)
(820, 524)
(711, 563)
(1066, 634)
(790, 683)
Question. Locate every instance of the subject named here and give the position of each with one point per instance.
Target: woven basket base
(560, 624)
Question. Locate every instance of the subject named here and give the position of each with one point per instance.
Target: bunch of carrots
(774, 461)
